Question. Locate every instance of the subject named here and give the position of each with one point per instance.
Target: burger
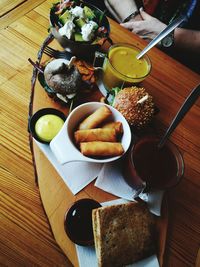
(63, 79)
(136, 105)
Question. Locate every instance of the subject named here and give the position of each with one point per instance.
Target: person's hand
(147, 28)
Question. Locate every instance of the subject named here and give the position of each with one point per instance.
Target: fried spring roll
(95, 118)
(101, 149)
(117, 125)
(98, 134)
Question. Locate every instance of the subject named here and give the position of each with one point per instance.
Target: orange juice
(122, 66)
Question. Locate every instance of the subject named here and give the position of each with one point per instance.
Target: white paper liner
(87, 255)
(110, 179)
(76, 175)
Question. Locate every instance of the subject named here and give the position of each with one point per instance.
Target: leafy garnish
(101, 17)
(112, 94)
(77, 2)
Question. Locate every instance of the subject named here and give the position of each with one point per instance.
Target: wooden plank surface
(8, 5)
(169, 88)
(10, 11)
(26, 238)
(57, 198)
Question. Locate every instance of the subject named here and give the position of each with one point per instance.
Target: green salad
(79, 22)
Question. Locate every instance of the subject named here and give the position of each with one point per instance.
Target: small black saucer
(37, 115)
(78, 221)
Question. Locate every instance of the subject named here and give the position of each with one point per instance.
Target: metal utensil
(56, 53)
(163, 34)
(190, 100)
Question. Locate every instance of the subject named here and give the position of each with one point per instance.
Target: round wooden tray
(55, 195)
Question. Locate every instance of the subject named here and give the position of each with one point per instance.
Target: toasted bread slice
(123, 233)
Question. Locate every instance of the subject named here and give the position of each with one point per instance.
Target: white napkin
(87, 255)
(110, 179)
(76, 175)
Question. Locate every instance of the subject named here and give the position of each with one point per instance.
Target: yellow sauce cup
(122, 68)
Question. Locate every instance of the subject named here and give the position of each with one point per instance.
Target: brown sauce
(153, 165)
(78, 221)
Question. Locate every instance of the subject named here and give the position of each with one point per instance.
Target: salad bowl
(77, 46)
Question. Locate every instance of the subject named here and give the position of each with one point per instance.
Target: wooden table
(26, 237)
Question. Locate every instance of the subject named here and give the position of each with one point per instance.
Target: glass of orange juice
(122, 68)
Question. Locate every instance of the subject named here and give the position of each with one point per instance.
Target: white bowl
(63, 145)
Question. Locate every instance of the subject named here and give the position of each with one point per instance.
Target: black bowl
(78, 221)
(37, 115)
(83, 50)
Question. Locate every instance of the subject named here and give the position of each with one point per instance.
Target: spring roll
(96, 118)
(98, 134)
(117, 125)
(101, 149)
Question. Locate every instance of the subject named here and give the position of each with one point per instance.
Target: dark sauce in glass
(78, 221)
(155, 166)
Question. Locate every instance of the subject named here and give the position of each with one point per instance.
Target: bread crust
(138, 115)
(123, 233)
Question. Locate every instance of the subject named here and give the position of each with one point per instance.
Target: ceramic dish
(78, 221)
(37, 115)
(63, 145)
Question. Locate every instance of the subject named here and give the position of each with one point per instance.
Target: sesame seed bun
(138, 114)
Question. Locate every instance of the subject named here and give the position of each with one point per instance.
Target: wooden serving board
(55, 195)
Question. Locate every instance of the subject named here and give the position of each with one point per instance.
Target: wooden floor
(25, 235)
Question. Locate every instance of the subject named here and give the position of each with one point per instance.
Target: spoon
(190, 100)
(162, 35)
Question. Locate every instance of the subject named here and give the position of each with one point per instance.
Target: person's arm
(187, 40)
(144, 25)
(148, 27)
